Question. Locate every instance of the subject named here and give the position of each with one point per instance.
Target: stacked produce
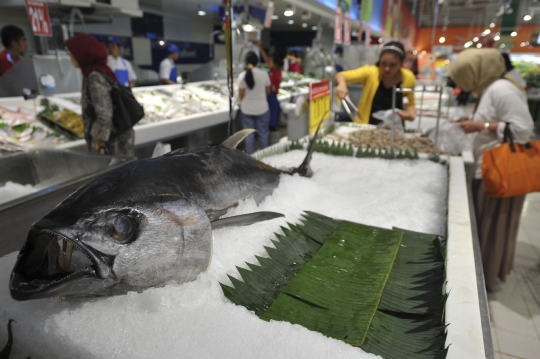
(19, 130)
(66, 121)
(174, 103)
(381, 139)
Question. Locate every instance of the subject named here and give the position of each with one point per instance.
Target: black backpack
(127, 111)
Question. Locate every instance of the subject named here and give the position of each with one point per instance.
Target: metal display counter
(55, 174)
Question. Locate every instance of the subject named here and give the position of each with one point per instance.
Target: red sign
(338, 27)
(347, 30)
(38, 14)
(319, 89)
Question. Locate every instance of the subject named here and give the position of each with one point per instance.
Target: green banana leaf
(378, 289)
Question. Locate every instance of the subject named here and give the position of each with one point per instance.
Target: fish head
(118, 247)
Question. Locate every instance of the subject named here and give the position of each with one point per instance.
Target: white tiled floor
(515, 313)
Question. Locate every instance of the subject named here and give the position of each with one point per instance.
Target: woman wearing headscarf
(253, 87)
(90, 56)
(500, 101)
(378, 81)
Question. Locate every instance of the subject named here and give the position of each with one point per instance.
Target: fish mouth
(50, 263)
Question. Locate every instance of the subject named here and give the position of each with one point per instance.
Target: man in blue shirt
(120, 66)
(167, 68)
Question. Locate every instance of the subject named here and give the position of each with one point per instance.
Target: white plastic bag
(161, 149)
(452, 139)
(387, 117)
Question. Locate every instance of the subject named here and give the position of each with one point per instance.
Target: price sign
(38, 14)
(319, 102)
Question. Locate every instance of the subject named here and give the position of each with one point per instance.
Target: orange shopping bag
(511, 169)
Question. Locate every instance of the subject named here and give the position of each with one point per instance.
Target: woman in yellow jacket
(378, 80)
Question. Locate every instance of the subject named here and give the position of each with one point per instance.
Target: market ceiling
(472, 12)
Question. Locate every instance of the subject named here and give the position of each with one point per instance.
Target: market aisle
(515, 305)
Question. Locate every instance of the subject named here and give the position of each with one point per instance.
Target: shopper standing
(340, 63)
(90, 56)
(14, 43)
(120, 66)
(167, 69)
(378, 81)
(501, 101)
(253, 87)
(275, 63)
(294, 62)
(512, 72)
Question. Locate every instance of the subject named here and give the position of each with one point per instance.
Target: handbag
(127, 111)
(511, 169)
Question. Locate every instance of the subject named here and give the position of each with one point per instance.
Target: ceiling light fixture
(288, 11)
(442, 40)
(275, 17)
(513, 34)
(522, 44)
(291, 22)
(486, 32)
(247, 27)
(475, 39)
(314, 28)
(380, 40)
(496, 38)
(503, 46)
(527, 17)
(201, 13)
(467, 44)
(479, 45)
(161, 42)
(492, 24)
(304, 25)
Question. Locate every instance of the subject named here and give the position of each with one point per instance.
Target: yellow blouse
(370, 77)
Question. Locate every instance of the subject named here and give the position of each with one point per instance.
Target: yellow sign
(319, 103)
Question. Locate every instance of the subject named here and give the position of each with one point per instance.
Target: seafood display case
(43, 178)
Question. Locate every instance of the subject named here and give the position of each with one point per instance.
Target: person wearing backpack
(99, 81)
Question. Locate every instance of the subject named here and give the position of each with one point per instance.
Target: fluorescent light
(497, 38)
(314, 28)
(513, 34)
(288, 11)
(442, 40)
(291, 22)
(161, 42)
(304, 25)
(492, 24)
(247, 27)
(479, 45)
(527, 17)
(201, 13)
(275, 17)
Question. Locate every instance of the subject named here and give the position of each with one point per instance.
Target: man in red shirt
(14, 43)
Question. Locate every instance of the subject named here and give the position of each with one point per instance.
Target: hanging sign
(338, 27)
(269, 15)
(319, 102)
(347, 29)
(38, 14)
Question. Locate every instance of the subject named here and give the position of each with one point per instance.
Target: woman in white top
(253, 87)
(501, 100)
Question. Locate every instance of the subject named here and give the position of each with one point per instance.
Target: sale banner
(338, 27)
(269, 14)
(319, 102)
(347, 29)
(38, 14)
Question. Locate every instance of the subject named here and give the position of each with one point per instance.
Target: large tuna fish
(143, 224)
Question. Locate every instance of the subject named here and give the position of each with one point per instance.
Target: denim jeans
(261, 123)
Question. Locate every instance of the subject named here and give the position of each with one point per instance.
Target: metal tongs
(346, 102)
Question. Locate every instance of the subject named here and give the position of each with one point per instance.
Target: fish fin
(238, 137)
(304, 170)
(244, 219)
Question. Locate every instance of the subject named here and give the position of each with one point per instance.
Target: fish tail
(304, 170)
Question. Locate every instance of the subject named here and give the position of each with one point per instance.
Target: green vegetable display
(379, 289)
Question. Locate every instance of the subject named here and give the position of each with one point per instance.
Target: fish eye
(123, 226)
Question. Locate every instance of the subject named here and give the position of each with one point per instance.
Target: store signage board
(38, 15)
(320, 98)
